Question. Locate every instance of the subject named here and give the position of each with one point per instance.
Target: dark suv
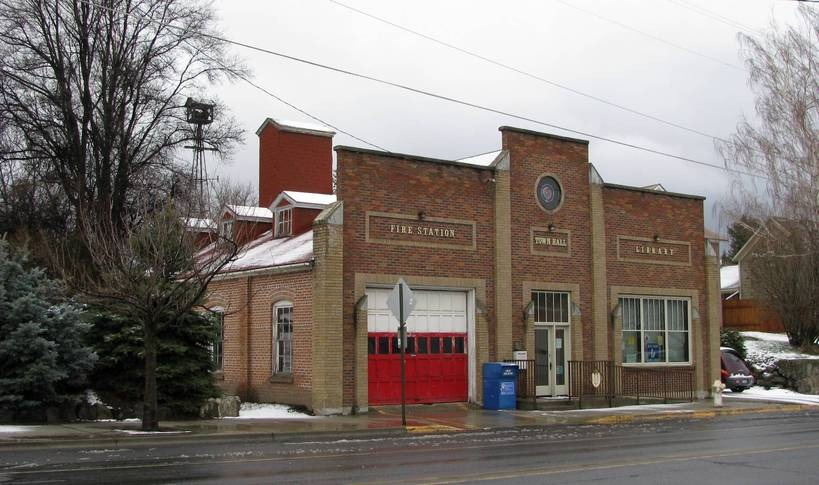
(735, 374)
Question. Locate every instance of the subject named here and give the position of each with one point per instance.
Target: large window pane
(654, 330)
(631, 347)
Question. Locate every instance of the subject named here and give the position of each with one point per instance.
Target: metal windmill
(199, 114)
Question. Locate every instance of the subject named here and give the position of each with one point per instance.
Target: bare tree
(781, 146)
(93, 93)
(152, 273)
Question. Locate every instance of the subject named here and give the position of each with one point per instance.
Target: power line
(463, 102)
(525, 73)
(651, 36)
(715, 16)
(259, 87)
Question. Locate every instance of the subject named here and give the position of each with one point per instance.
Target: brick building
(523, 249)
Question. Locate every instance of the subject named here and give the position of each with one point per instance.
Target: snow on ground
(764, 349)
(773, 394)
(15, 429)
(134, 431)
(252, 410)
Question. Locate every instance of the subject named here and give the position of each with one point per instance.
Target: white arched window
(283, 337)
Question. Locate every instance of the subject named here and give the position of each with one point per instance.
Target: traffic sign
(400, 292)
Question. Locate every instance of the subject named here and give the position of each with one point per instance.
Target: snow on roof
(298, 127)
(310, 198)
(304, 125)
(198, 224)
(482, 160)
(250, 212)
(657, 187)
(729, 277)
(265, 252)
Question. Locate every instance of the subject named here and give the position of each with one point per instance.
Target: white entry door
(551, 354)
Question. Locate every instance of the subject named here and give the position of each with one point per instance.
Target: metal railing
(527, 373)
(604, 380)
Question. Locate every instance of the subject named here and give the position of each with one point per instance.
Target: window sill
(282, 378)
(218, 375)
(657, 364)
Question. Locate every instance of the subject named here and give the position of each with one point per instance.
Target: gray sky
(546, 38)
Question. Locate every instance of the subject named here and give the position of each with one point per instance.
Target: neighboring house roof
(756, 237)
(657, 187)
(729, 278)
(297, 127)
(266, 251)
(248, 213)
(482, 160)
(304, 200)
(709, 234)
(199, 225)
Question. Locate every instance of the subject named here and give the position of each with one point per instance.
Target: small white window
(283, 338)
(226, 229)
(284, 222)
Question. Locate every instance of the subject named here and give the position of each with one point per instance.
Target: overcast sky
(705, 90)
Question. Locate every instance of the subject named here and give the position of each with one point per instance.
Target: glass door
(551, 353)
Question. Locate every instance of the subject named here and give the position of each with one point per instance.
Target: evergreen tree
(184, 365)
(43, 359)
(738, 234)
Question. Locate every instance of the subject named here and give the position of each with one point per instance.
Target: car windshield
(734, 364)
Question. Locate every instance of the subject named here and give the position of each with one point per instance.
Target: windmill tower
(199, 114)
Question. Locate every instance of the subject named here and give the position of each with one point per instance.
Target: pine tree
(184, 365)
(43, 360)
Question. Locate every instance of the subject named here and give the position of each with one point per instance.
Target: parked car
(735, 373)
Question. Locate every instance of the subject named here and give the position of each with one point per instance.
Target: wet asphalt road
(742, 449)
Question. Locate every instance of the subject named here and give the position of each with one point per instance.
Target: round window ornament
(549, 193)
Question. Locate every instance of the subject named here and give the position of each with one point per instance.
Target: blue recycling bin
(500, 382)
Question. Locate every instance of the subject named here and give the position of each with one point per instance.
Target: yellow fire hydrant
(716, 390)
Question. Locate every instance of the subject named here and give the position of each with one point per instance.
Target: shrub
(734, 339)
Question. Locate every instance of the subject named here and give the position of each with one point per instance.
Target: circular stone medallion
(549, 193)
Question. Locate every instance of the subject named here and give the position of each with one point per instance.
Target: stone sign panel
(653, 251)
(550, 242)
(430, 232)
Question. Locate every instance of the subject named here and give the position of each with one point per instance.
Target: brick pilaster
(599, 317)
(328, 345)
(503, 261)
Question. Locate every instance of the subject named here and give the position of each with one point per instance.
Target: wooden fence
(750, 315)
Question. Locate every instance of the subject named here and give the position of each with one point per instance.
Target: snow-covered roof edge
(248, 213)
(304, 200)
(297, 127)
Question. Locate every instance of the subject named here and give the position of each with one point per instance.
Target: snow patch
(729, 277)
(252, 410)
(138, 432)
(482, 160)
(763, 349)
(16, 429)
(776, 394)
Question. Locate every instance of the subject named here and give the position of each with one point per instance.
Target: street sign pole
(403, 342)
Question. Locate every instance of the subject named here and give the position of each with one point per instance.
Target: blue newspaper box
(500, 381)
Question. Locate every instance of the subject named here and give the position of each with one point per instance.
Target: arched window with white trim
(283, 337)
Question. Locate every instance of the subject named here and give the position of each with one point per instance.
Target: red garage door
(436, 356)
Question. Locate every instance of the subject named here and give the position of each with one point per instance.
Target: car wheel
(737, 389)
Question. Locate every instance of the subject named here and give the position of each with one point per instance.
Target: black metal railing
(604, 380)
(527, 374)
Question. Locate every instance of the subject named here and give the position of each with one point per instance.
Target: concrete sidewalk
(381, 421)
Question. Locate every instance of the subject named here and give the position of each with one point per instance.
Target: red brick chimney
(294, 156)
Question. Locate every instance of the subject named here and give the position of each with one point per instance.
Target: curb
(391, 432)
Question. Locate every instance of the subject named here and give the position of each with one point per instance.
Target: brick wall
(293, 161)
(248, 305)
(531, 156)
(646, 215)
(371, 181)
